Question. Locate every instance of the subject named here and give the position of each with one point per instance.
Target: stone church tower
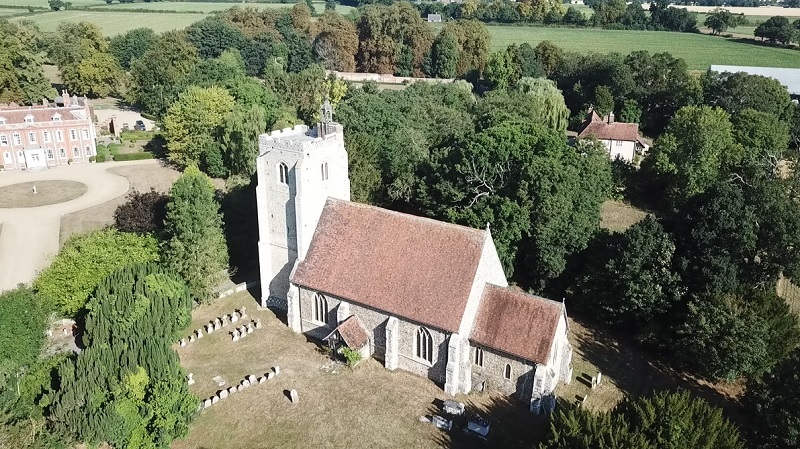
(298, 169)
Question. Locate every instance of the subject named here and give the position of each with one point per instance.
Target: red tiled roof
(353, 332)
(411, 267)
(516, 323)
(611, 131)
(40, 114)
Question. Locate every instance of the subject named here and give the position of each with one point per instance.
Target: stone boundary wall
(240, 287)
(383, 78)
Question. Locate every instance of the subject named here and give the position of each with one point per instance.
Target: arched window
(478, 356)
(424, 345)
(283, 173)
(320, 311)
(324, 171)
(507, 371)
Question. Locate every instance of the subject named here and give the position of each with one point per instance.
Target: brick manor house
(418, 294)
(47, 134)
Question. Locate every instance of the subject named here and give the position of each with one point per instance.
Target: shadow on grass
(636, 372)
(758, 43)
(512, 425)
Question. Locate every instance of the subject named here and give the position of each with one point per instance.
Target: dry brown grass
(790, 292)
(617, 216)
(365, 407)
(47, 192)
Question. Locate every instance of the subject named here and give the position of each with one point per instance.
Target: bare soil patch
(617, 216)
(141, 178)
(790, 292)
(364, 407)
(47, 192)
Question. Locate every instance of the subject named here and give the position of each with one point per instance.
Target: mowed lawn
(698, 50)
(117, 23)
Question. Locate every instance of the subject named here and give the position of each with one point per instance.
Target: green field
(43, 3)
(698, 50)
(209, 7)
(117, 23)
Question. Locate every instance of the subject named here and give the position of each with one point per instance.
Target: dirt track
(31, 235)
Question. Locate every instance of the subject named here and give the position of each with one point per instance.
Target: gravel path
(30, 236)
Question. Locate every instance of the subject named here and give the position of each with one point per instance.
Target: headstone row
(246, 383)
(241, 332)
(215, 325)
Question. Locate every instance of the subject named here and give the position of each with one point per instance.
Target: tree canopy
(85, 260)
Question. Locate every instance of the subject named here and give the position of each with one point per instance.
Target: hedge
(132, 156)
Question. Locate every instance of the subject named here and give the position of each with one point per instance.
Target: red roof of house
(596, 126)
(516, 323)
(411, 267)
(612, 131)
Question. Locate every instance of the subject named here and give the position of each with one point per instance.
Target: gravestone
(262, 379)
(599, 377)
(245, 383)
(277, 369)
(270, 375)
(242, 313)
(207, 403)
(223, 394)
(252, 379)
(224, 320)
(199, 333)
(214, 399)
(217, 324)
(293, 396)
(183, 342)
(258, 324)
(209, 328)
(219, 380)
(191, 338)
(232, 390)
(234, 317)
(240, 388)
(190, 380)
(249, 328)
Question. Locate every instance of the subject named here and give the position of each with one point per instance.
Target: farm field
(44, 4)
(698, 50)
(209, 7)
(117, 23)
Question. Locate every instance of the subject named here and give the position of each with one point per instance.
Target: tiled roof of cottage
(353, 332)
(594, 125)
(516, 323)
(411, 267)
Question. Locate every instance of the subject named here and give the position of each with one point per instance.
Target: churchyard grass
(617, 216)
(363, 407)
(699, 51)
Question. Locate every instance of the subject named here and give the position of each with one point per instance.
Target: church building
(418, 294)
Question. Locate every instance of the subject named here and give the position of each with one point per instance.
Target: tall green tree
(735, 92)
(534, 99)
(239, 139)
(82, 54)
(131, 45)
(193, 122)
(775, 404)
(696, 151)
(444, 55)
(195, 246)
(720, 20)
(85, 260)
(764, 140)
(776, 29)
(662, 421)
(127, 388)
(162, 72)
(336, 43)
(212, 36)
(22, 324)
(22, 79)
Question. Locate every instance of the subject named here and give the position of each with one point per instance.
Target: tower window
(424, 345)
(324, 171)
(507, 372)
(478, 356)
(283, 173)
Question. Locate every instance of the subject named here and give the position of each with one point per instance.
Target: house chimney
(65, 97)
(610, 117)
